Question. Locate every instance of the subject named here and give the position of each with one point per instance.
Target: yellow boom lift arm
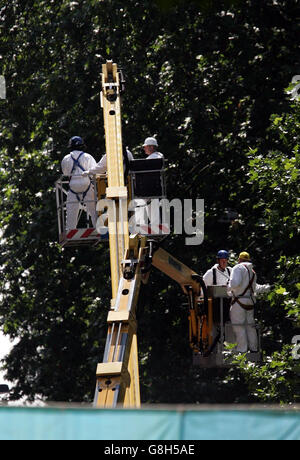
(117, 376)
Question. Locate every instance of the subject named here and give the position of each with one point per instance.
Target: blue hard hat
(222, 254)
(75, 141)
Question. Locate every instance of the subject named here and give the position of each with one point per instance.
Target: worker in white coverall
(219, 274)
(243, 289)
(143, 210)
(150, 148)
(81, 190)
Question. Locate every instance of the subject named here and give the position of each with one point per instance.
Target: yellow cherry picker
(132, 254)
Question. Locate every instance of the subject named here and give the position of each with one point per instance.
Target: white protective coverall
(81, 190)
(222, 277)
(144, 211)
(242, 308)
(155, 155)
(101, 166)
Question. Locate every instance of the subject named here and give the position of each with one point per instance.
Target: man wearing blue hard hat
(219, 274)
(81, 190)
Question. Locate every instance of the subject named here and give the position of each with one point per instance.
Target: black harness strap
(76, 163)
(235, 298)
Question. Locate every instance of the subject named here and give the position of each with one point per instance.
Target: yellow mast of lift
(116, 190)
(117, 377)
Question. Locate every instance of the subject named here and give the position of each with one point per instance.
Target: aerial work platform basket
(221, 333)
(148, 185)
(84, 233)
(148, 178)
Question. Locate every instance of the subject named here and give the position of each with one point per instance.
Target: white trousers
(147, 216)
(73, 205)
(243, 326)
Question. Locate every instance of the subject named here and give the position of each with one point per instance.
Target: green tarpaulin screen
(178, 423)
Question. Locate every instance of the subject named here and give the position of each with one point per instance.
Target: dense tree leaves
(208, 78)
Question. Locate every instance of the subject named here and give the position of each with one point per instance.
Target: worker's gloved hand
(265, 288)
(85, 173)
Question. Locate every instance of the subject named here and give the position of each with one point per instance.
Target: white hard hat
(150, 141)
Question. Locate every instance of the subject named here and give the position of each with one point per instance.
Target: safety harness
(215, 274)
(236, 298)
(76, 164)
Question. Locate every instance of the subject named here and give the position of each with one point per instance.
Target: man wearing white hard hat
(144, 210)
(150, 147)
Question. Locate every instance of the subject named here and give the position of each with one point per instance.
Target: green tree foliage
(207, 78)
(274, 177)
